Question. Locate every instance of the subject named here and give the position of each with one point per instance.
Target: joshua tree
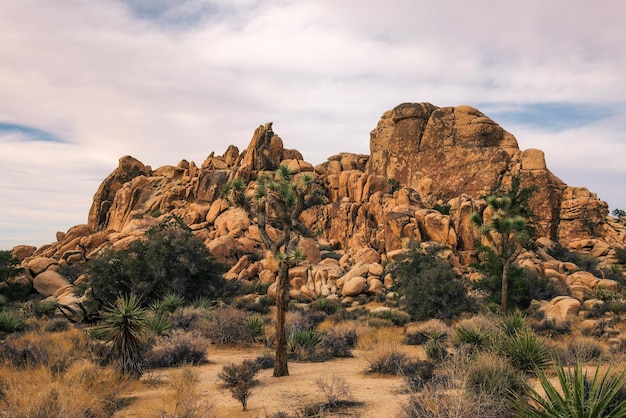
(508, 230)
(277, 202)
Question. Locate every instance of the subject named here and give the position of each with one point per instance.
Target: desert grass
(184, 399)
(83, 389)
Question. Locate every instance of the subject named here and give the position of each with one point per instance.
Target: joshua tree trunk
(282, 301)
(505, 289)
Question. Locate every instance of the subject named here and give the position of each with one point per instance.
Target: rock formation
(420, 155)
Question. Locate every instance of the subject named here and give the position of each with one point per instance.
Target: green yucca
(576, 396)
(124, 325)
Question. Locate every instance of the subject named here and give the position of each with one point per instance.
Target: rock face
(375, 205)
(446, 152)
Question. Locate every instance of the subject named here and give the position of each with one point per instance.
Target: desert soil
(378, 396)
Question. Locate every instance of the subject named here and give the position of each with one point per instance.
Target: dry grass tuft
(184, 400)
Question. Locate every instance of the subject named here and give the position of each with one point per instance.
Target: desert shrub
(443, 209)
(491, 375)
(395, 316)
(429, 286)
(322, 304)
(602, 293)
(417, 373)
(576, 395)
(261, 288)
(178, 349)
(435, 350)
(338, 343)
(233, 374)
(620, 255)
(11, 321)
(259, 304)
(335, 389)
(168, 259)
(186, 400)
(71, 271)
(265, 361)
(382, 351)
(189, 318)
(57, 325)
(9, 269)
(526, 351)
(226, 326)
(581, 349)
(3, 300)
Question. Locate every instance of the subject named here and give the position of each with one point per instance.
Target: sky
(85, 82)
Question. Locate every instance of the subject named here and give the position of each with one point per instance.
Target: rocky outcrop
(376, 204)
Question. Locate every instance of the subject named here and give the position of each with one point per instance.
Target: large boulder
(49, 283)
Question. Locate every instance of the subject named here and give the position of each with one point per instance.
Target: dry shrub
(55, 351)
(335, 388)
(83, 390)
(178, 349)
(583, 349)
(447, 395)
(188, 318)
(226, 326)
(233, 374)
(419, 333)
(184, 399)
(381, 349)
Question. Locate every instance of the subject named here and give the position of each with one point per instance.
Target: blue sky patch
(552, 117)
(28, 133)
(171, 12)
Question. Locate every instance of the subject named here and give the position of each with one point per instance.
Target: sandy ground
(380, 396)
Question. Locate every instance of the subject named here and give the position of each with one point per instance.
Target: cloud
(164, 80)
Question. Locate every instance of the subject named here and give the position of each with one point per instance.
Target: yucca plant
(255, 324)
(526, 351)
(474, 338)
(159, 324)
(511, 323)
(46, 307)
(124, 325)
(576, 396)
(11, 321)
(168, 303)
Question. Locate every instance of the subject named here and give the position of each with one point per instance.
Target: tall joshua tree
(277, 201)
(507, 231)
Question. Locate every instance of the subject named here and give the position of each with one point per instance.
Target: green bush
(256, 326)
(324, 305)
(576, 395)
(620, 254)
(524, 285)
(169, 259)
(429, 286)
(443, 209)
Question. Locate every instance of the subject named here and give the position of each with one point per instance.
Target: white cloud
(165, 80)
